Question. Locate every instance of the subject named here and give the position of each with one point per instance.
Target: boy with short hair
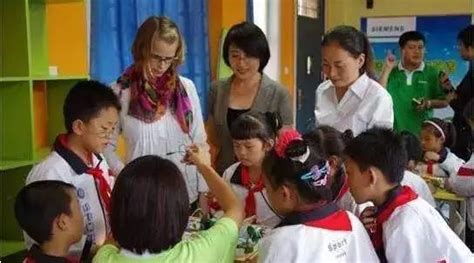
(407, 228)
(50, 213)
(90, 115)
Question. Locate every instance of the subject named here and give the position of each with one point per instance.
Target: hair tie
(284, 139)
(437, 128)
(318, 175)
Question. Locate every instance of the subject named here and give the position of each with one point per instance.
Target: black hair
(251, 39)
(410, 36)
(355, 42)
(412, 146)
(149, 206)
(284, 170)
(469, 111)
(327, 141)
(380, 148)
(447, 127)
(38, 204)
(250, 125)
(85, 100)
(466, 36)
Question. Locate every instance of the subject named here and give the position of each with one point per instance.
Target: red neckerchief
(250, 204)
(398, 197)
(97, 174)
(429, 167)
(104, 187)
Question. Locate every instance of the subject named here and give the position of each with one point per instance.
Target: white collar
(358, 87)
(421, 67)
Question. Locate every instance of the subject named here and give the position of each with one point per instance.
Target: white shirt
(462, 183)
(419, 186)
(338, 237)
(265, 214)
(416, 232)
(365, 104)
(450, 165)
(160, 137)
(55, 167)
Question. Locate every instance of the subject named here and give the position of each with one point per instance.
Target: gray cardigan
(271, 97)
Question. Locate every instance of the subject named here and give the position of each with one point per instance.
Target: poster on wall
(441, 43)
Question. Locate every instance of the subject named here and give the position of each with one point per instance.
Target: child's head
(413, 148)
(149, 206)
(329, 143)
(48, 210)
(253, 135)
(295, 175)
(375, 162)
(437, 134)
(91, 112)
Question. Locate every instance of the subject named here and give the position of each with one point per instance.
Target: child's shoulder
(53, 167)
(229, 172)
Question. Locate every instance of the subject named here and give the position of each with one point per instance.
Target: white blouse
(366, 104)
(160, 137)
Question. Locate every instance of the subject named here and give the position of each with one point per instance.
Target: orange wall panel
(67, 37)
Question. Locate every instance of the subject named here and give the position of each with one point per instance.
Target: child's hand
(195, 156)
(431, 156)
(367, 217)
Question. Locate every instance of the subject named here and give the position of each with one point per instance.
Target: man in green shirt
(414, 86)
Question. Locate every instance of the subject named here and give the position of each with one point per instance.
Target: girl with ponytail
(313, 228)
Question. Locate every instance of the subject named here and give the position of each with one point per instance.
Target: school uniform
(462, 183)
(419, 186)
(410, 230)
(324, 234)
(93, 186)
(265, 215)
(448, 164)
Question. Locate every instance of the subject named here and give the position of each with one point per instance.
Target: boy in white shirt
(406, 227)
(91, 114)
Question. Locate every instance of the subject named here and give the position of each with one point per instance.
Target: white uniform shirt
(462, 183)
(326, 234)
(63, 165)
(161, 137)
(366, 104)
(419, 186)
(264, 213)
(449, 166)
(415, 232)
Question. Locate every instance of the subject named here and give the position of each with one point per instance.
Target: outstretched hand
(195, 156)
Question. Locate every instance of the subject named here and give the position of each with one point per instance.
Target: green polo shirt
(424, 84)
(217, 244)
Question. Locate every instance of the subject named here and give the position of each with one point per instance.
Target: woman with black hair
(350, 98)
(246, 52)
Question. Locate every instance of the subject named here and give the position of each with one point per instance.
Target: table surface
(443, 194)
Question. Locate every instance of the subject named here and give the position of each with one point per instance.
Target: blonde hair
(157, 27)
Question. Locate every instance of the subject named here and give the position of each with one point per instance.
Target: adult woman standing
(350, 98)
(246, 52)
(161, 112)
